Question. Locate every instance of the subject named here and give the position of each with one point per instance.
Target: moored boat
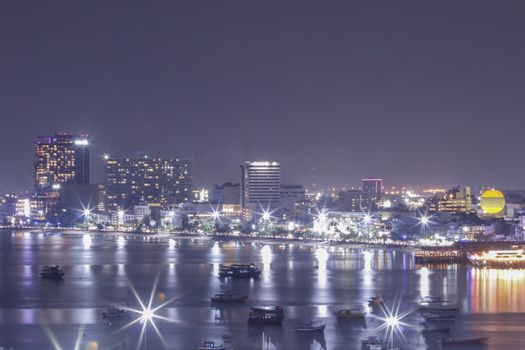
(211, 345)
(228, 297)
(266, 314)
(114, 312)
(465, 341)
(373, 343)
(52, 272)
(311, 326)
(349, 313)
(239, 271)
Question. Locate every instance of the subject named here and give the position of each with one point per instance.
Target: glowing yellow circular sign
(492, 201)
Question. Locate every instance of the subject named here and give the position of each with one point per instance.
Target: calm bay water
(102, 270)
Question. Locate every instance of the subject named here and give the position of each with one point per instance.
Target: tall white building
(260, 187)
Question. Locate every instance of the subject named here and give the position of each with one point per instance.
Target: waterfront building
(75, 202)
(260, 187)
(147, 180)
(61, 159)
(456, 200)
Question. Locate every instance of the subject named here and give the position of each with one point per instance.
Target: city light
(424, 220)
(367, 219)
(105, 156)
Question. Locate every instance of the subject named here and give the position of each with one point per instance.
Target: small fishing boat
(53, 272)
(114, 312)
(228, 297)
(465, 341)
(211, 345)
(349, 313)
(311, 326)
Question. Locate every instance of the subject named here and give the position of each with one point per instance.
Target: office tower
(260, 187)
(372, 187)
(290, 195)
(353, 200)
(61, 159)
(147, 180)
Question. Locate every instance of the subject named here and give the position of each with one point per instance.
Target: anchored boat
(52, 272)
(239, 271)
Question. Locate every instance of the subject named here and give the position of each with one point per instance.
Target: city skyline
(416, 94)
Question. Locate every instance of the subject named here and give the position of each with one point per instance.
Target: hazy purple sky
(420, 92)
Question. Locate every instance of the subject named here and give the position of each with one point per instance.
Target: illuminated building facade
(61, 159)
(456, 200)
(147, 180)
(260, 186)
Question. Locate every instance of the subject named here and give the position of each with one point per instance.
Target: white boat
(211, 345)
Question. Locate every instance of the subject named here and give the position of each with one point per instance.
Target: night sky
(416, 92)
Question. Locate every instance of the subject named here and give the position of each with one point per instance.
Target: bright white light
(424, 220)
(120, 241)
(83, 142)
(87, 212)
(147, 314)
(367, 218)
(56, 186)
(392, 321)
(106, 156)
(266, 216)
(171, 243)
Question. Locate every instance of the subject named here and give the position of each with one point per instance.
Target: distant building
(372, 186)
(147, 180)
(61, 159)
(227, 193)
(200, 196)
(456, 200)
(260, 187)
(353, 201)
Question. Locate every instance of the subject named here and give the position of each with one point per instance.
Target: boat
(373, 343)
(114, 312)
(499, 258)
(52, 272)
(228, 297)
(465, 341)
(239, 271)
(266, 314)
(438, 307)
(311, 326)
(349, 313)
(211, 345)
(377, 301)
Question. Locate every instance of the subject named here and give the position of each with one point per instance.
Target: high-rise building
(260, 186)
(353, 200)
(147, 180)
(61, 159)
(290, 195)
(372, 187)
